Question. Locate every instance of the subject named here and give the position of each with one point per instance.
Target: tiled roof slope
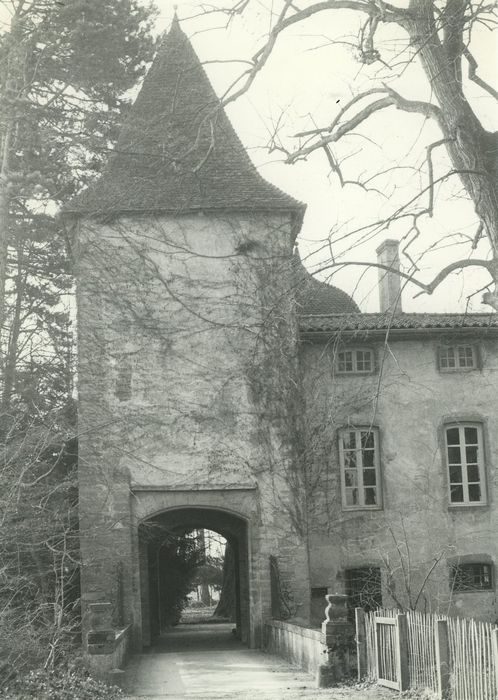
(177, 151)
(331, 323)
(315, 297)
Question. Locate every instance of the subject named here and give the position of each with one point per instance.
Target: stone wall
(299, 645)
(187, 383)
(416, 535)
(107, 664)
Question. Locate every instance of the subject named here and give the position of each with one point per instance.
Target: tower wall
(187, 385)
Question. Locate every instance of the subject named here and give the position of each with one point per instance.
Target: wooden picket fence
(453, 657)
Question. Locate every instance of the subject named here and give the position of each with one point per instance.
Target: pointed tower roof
(177, 151)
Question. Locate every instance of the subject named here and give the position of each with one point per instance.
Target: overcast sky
(306, 81)
(312, 72)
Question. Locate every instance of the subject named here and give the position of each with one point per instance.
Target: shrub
(59, 684)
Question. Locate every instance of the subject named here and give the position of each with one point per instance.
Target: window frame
(454, 569)
(455, 346)
(481, 463)
(354, 349)
(360, 470)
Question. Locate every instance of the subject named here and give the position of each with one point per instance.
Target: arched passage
(178, 521)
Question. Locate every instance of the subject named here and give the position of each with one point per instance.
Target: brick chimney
(389, 282)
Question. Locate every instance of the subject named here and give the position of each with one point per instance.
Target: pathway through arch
(208, 661)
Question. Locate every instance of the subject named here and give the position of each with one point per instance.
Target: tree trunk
(204, 587)
(471, 148)
(10, 365)
(205, 594)
(4, 222)
(12, 89)
(226, 603)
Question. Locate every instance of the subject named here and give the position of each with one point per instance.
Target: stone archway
(235, 514)
(178, 521)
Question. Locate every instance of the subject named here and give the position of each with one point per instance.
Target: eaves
(320, 336)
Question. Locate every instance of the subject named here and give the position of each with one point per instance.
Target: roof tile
(177, 151)
(315, 297)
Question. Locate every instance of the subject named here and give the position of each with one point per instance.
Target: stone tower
(188, 405)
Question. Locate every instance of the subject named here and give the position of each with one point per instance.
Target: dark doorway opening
(194, 573)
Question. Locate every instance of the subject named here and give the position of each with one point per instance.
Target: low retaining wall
(107, 652)
(299, 645)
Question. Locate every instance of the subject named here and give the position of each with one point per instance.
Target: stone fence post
(338, 636)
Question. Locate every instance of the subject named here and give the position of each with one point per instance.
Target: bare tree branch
(457, 265)
(393, 99)
(489, 265)
(430, 168)
(478, 235)
(387, 13)
(473, 66)
(426, 108)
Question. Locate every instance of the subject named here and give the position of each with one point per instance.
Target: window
(456, 357)
(359, 462)
(363, 588)
(123, 387)
(471, 577)
(465, 455)
(355, 361)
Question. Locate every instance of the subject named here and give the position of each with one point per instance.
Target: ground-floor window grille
(472, 577)
(364, 589)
